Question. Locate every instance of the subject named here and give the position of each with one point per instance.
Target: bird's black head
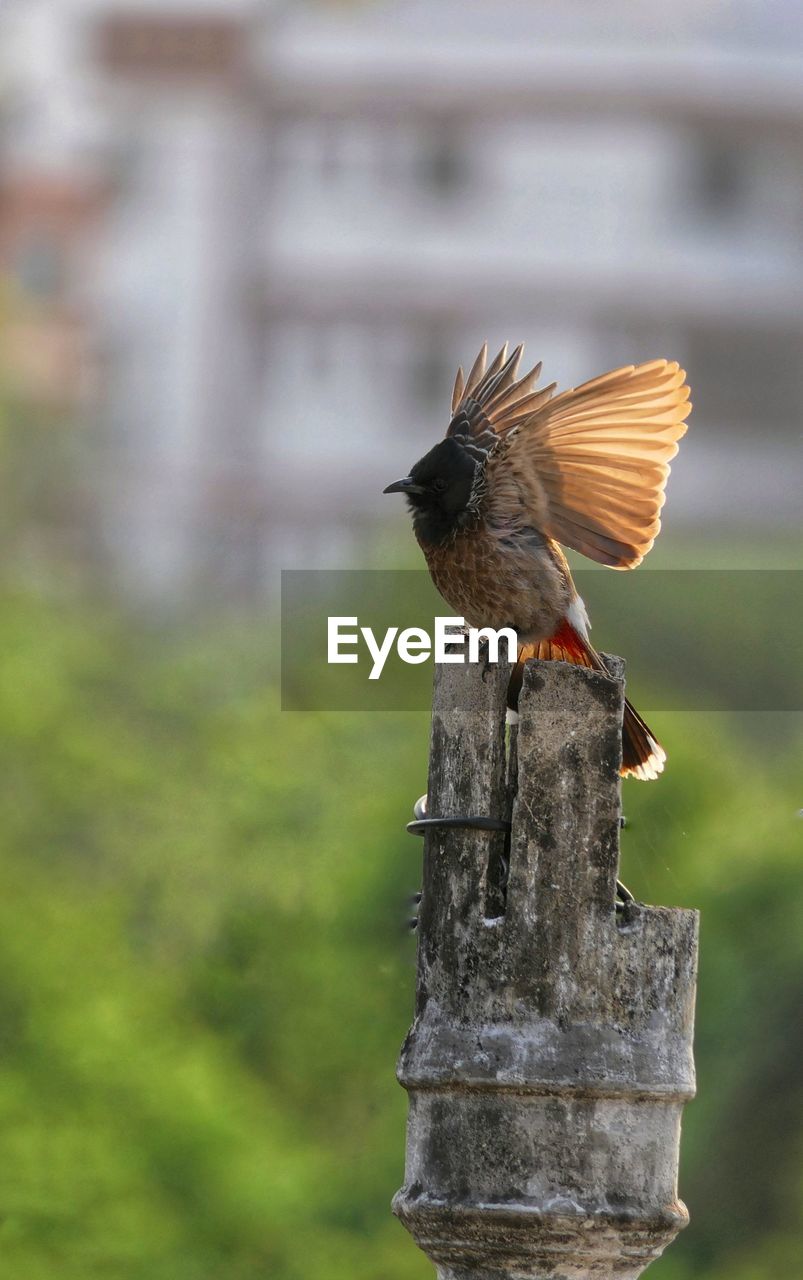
(443, 490)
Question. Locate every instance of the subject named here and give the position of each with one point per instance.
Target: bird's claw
(624, 899)
(486, 665)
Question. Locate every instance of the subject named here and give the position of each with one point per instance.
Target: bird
(523, 472)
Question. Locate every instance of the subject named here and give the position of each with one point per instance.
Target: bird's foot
(414, 900)
(624, 898)
(485, 653)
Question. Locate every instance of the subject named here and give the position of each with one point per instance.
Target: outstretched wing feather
(596, 457)
(599, 455)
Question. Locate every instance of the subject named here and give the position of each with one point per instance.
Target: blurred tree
(205, 976)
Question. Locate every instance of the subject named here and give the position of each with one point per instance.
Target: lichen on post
(551, 1051)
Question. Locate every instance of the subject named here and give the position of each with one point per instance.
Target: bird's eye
(439, 485)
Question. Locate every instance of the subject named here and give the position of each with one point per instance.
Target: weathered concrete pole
(550, 1055)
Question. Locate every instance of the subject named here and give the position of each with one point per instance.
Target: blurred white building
(308, 216)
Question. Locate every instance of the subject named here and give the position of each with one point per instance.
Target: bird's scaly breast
(502, 579)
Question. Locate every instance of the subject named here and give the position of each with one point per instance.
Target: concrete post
(550, 1055)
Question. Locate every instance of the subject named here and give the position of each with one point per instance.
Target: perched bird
(520, 471)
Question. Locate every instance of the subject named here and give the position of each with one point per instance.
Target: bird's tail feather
(642, 755)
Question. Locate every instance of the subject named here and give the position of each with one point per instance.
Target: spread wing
(494, 400)
(595, 458)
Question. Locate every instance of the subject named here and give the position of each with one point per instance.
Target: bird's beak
(407, 485)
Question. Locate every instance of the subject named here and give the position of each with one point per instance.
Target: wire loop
(472, 822)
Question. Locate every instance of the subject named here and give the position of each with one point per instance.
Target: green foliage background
(205, 974)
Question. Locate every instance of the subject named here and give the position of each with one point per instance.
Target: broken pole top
(551, 1051)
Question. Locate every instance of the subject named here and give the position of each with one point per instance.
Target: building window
(443, 167)
(432, 373)
(719, 180)
(38, 266)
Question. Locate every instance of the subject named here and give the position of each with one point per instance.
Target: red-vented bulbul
(521, 470)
